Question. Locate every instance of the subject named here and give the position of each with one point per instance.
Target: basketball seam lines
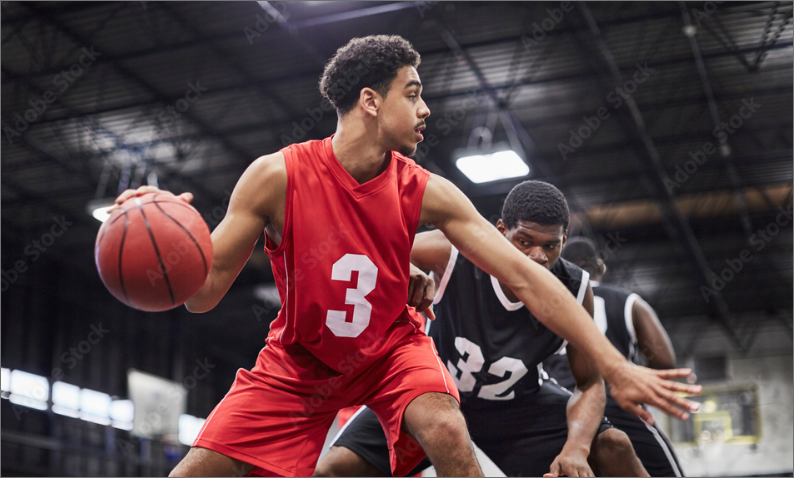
(121, 253)
(178, 203)
(186, 232)
(159, 259)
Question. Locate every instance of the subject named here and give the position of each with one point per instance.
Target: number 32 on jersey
(474, 363)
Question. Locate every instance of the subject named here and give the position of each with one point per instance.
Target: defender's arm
(652, 338)
(584, 412)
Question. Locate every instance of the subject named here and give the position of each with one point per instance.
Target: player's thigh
(342, 461)
(205, 462)
(433, 415)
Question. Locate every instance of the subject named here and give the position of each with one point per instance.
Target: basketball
(154, 253)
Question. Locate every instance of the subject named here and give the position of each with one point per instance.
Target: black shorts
(522, 439)
(653, 448)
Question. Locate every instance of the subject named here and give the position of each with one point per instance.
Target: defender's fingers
(430, 314)
(554, 471)
(426, 302)
(187, 197)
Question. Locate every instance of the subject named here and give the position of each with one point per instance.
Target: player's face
(540, 243)
(404, 112)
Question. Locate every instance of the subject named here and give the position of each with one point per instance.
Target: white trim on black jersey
(583, 287)
(453, 258)
(497, 288)
(627, 314)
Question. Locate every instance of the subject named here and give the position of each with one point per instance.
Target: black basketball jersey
(493, 347)
(612, 308)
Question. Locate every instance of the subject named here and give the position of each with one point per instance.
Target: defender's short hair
(538, 202)
(368, 62)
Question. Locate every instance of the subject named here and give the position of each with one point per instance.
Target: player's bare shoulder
(263, 187)
(440, 201)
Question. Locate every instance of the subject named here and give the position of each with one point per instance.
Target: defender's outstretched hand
(632, 385)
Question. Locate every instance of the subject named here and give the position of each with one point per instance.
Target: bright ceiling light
(483, 168)
(99, 208)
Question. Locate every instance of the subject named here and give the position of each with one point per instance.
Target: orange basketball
(154, 253)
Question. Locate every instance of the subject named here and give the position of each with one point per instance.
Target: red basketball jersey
(343, 264)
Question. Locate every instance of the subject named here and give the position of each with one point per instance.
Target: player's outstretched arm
(450, 210)
(258, 195)
(653, 340)
(584, 412)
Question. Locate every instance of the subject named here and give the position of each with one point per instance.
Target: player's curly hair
(368, 62)
(538, 202)
(582, 252)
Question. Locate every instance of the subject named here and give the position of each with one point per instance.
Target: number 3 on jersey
(362, 310)
(474, 363)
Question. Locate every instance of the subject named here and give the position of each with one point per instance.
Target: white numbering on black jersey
(362, 310)
(473, 364)
(517, 370)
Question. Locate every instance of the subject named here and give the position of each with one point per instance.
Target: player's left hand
(632, 385)
(421, 291)
(570, 463)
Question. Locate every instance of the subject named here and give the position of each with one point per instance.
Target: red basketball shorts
(276, 417)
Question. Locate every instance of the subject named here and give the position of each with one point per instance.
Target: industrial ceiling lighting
(100, 208)
(491, 166)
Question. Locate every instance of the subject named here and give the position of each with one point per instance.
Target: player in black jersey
(493, 348)
(633, 328)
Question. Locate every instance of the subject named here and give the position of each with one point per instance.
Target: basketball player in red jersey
(344, 335)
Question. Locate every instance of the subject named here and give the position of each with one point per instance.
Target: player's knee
(448, 427)
(615, 442)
